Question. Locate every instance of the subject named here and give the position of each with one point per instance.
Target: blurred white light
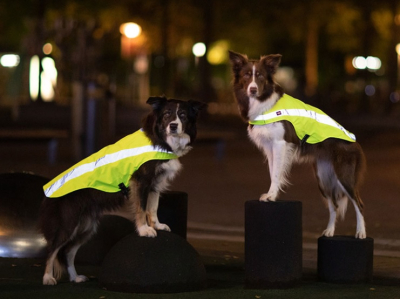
(48, 79)
(9, 60)
(199, 49)
(360, 63)
(398, 49)
(373, 63)
(34, 77)
(130, 30)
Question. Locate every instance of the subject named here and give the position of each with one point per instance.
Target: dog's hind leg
(358, 206)
(51, 263)
(71, 251)
(330, 229)
(361, 232)
(327, 182)
(73, 276)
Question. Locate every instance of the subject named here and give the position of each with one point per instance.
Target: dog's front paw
(147, 231)
(329, 232)
(361, 234)
(268, 197)
(49, 280)
(80, 278)
(162, 226)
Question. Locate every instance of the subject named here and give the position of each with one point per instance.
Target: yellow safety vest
(311, 124)
(109, 167)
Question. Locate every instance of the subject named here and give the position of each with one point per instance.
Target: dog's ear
(156, 102)
(271, 62)
(196, 106)
(237, 60)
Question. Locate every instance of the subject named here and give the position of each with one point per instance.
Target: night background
(73, 80)
(318, 41)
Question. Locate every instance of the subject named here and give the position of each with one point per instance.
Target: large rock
(172, 211)
(164, 264)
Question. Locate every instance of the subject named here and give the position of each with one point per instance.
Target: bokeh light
(9, 60)
(47, 49)
(130, 29)
(218, 52)
(199, 49)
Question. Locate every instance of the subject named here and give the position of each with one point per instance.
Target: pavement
(221, 173)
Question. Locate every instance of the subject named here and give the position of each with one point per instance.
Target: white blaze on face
(176, 123)
(253, 84)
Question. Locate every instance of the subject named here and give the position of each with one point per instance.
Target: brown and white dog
(69, 221)
(339, 165)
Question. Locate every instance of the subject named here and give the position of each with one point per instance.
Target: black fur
(69, 221)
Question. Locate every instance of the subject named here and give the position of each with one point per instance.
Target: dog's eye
(259, 75)
(167, 114)
(247, 75)
(182, 115)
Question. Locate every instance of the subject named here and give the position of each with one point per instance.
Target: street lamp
(199, 49)
(130, 29)
(133, 49)
(129, 40)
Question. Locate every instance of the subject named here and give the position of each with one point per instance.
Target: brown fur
(339, 165)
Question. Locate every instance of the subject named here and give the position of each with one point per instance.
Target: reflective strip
(321, 118)
(107, 159)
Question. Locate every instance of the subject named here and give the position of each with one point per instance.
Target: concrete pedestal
(345, 259)
(273, 244)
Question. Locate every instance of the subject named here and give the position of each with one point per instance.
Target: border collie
(339, 164)
(71, 218)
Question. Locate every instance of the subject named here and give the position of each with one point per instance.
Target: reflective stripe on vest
(109, 167)
(306, 120)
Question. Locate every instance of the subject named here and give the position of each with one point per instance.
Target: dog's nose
(173, 127)
(253, 90)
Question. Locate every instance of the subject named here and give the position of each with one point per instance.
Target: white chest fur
(265, 134)
(179, 143)
(167, 172)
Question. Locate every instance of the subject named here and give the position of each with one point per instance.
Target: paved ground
(220, 175)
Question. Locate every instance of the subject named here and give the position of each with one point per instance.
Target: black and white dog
(339, 165)
(70, 220)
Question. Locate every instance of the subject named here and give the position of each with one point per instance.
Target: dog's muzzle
(253, 90)
(173, 128)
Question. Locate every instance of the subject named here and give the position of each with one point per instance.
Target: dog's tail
(342, 206)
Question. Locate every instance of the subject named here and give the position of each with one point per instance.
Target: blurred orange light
(47, 49)
(130, 30)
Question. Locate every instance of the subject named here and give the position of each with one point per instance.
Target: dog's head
(254, 79)
(172, 120)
